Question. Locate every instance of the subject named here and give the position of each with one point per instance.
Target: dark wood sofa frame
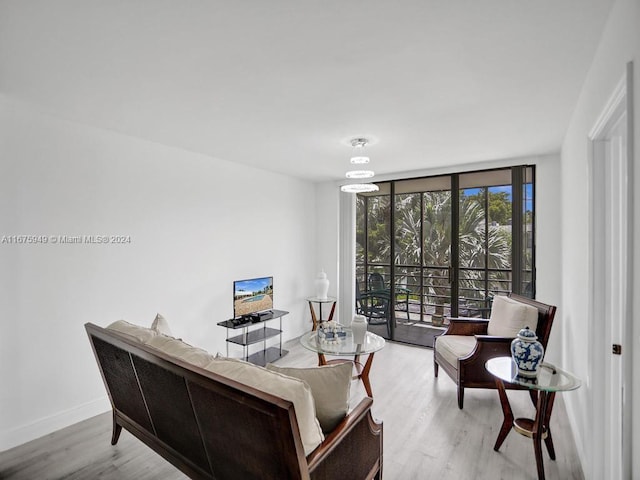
(211, 427)
(470, 372)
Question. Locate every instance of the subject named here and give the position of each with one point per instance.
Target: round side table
(544, 386)
(316, 319)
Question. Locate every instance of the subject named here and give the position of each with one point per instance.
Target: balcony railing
(422, 292)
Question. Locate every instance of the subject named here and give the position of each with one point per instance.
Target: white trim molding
(347, 258)
(610, 318)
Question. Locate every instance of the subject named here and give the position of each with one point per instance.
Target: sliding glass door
(445, 245)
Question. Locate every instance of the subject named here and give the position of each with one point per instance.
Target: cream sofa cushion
(136, 332)
(330, 385)
(452, 347)
(179, 349)
(169, 345)
(509, 316)
(279, 385)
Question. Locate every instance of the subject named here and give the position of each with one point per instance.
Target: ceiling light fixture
(359, 188)
(360, 174)
(358, 145)
(358, 158)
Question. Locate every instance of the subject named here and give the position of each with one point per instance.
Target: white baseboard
(44, 426)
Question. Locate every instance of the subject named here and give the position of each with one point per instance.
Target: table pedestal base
(362, 371)
(536, 429)
(316, 319)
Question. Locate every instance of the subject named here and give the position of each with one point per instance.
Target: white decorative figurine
(322, 285)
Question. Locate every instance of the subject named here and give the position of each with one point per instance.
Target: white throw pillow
(330, 386)
(274, 383)
(161, 325)
(508, 317)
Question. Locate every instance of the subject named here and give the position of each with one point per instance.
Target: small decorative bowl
(331, 332)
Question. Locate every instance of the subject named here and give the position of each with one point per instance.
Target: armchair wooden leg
(460, 396)
(435, 367)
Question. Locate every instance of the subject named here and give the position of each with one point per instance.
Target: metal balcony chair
(376, 282)
(375, 306)
(377, 285)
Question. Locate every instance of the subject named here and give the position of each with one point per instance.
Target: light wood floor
(426, 436)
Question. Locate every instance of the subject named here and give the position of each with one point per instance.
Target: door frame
(600, 361)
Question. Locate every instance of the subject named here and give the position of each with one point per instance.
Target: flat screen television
(252, 296)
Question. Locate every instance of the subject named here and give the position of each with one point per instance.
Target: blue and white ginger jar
(527, 352)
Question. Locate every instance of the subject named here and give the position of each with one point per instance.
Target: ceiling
(284, 85)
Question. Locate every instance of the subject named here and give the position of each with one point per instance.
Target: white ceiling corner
(434, 83)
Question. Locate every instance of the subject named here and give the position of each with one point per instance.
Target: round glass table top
(321, 300)
(372, 343)
(550, 378)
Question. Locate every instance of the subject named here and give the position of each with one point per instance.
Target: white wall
(195, 223)
(620, 44)
(326, 221)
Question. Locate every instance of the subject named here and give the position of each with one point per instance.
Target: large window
(445, 245)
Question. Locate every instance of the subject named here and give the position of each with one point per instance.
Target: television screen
(252, 295)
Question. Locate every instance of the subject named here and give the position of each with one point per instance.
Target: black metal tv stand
(253, 336)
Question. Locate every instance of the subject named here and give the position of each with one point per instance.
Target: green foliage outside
(423, 242)
(499, 206)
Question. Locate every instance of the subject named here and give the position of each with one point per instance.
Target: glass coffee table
(372, 343)
(543, 389)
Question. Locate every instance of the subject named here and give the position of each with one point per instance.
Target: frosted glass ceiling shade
(359, 188)
(360, 174)
(359, 160)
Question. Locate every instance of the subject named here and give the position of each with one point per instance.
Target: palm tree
(423, 243)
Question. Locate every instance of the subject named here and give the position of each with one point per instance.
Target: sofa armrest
(357, 432)
(493, 339)
(467, 326)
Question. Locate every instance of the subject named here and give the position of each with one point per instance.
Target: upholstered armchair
(468, 343)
